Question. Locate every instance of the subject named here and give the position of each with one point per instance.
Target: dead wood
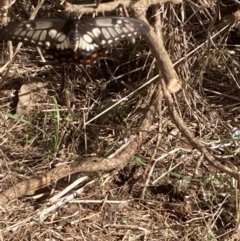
(171, 84)
(28, 187)
(95, 164)
(110, 6)
(194, 141)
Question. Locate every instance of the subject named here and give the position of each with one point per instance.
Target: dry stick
(104, 164)
(93, 164)
(110, 6)
(28, 187)
(170, 77)
(156, 45)
(193, 141)
(144, 127)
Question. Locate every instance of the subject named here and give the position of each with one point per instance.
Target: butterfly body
(73, 40)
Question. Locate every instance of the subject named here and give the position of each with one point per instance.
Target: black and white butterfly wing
(74, 40)
(91, 37)
(105, 31)
(44, 33)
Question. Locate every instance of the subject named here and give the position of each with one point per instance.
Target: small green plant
(54, 139)
(138, 160)
(56, 118)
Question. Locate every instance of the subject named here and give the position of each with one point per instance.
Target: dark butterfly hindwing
(72, 40)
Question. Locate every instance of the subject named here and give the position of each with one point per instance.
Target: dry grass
(168, 191)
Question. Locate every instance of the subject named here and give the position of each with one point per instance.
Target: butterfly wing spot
(103, 42)
(92, 46)
(67, 43)
(94, 55)
(36, 35)
(105, 33)
(87, 47)
(119, 22)
(52, 33)
(118, 31)
(85, 61)
(43, 35)
(23, 33)
(87, 38)
(83, 45)
(47, 44)
(96, 32)
(18, 31)
(81, 56)
(60, 37)
(29, 34)
(60, 46)
(125, 30)
(28, 26)
(130, 27)
(112, 32)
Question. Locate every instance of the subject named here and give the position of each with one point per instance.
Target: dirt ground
(104, 152)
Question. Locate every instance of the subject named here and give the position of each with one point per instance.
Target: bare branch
(110, 6)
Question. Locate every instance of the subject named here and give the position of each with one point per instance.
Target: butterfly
(74, 40)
